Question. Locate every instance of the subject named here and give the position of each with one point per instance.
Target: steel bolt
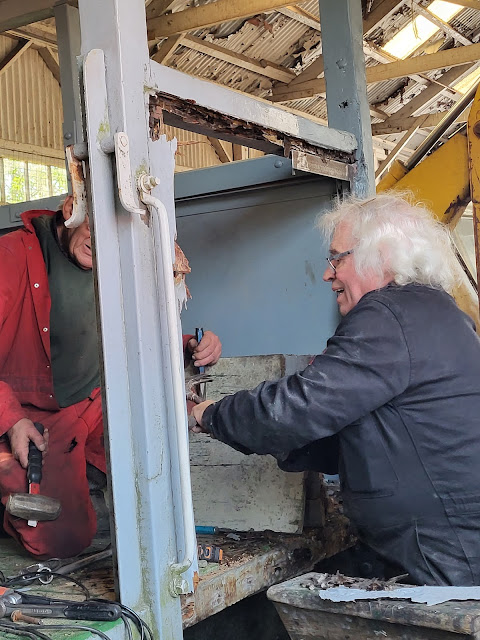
(18, 616)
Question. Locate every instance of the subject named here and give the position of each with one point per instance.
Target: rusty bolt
(18, 616)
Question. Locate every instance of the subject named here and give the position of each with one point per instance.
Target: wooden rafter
(49, 59)
(379, 12)
(219, 149)
(167, 49)
(211, 14)
(381, 72)
(14, 14)
(262, 67)
(430, 93)
(14, 55)
(157, 8)
(404, 124)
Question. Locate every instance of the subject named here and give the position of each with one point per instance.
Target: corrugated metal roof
(31, 112)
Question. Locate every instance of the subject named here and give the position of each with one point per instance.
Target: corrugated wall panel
(30, 101)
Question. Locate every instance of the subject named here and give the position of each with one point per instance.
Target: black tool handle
(198, 336)
(34, 471)
(101, 612)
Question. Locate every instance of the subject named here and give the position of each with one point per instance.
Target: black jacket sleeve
(365, 365)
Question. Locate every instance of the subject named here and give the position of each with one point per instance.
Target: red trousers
(76, 437)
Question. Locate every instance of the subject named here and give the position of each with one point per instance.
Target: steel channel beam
(136, 377)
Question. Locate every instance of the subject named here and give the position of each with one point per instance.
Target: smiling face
(76, 242)
(347, 284)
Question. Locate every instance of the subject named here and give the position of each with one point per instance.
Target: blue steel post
(136, 387)
(344, 64)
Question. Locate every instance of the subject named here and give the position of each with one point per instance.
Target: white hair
(392, 234)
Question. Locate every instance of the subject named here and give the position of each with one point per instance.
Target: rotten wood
(258, 561)
(166, 109)
(305, 615)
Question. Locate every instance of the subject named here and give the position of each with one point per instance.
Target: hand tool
(209, 552)
(40, 607)
(32, 506)
(202, 388)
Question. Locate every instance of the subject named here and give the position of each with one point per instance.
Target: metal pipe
(435, 135)
(163, 254)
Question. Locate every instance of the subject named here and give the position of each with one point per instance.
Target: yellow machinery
(446, 181)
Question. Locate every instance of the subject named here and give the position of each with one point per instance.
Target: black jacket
(397, 392)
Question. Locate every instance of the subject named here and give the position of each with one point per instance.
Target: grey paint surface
(347, 102)
(257, 264)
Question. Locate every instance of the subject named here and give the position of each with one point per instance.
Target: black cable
(41, 574)
(126, 622)
(20, 630)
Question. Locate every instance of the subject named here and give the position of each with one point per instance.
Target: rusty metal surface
(168, 109)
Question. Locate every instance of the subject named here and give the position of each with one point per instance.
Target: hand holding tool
(32, 506)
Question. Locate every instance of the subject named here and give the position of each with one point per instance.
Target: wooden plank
(256, 562)
(14, 55)
(167, 49)
(381, 72)
(302, 16)
(211, 14)
(49, 59)
(219, 149)
(157, 8)
(437, 621)
(241, 492)
(262, 67)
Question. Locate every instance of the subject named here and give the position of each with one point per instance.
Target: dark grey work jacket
(395, 400)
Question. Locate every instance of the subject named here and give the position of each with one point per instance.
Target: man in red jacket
(49, 373)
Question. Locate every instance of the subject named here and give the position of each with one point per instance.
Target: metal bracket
(79, 190)
(310, 163)
(124, 175)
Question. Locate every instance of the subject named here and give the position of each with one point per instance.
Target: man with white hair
(50, 373)
(394, 398)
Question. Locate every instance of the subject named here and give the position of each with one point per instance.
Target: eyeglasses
(336, 258)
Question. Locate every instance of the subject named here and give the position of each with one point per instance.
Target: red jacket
(25, 362)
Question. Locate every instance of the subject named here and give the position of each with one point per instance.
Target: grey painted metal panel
(257, 264)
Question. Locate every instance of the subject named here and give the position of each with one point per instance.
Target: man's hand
(197, 413)
(20, 435)
(208, 351)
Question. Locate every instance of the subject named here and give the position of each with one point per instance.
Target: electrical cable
(20, 630)
(17, 581)
(126, 622)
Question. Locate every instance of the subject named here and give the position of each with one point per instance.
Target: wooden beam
(211, 14)
(401, 144)
(379, 13)
(220, 150)
(14, 14)
(262, 67)
(441, 24)
(167, 49)
(157, 8)
(14, 55)
(315, 69)
(469, 4)
(430, 93)
(49, 59)
(27, 34)
(381, 72)
(404, 124)
(237, 152)
(302, 16)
